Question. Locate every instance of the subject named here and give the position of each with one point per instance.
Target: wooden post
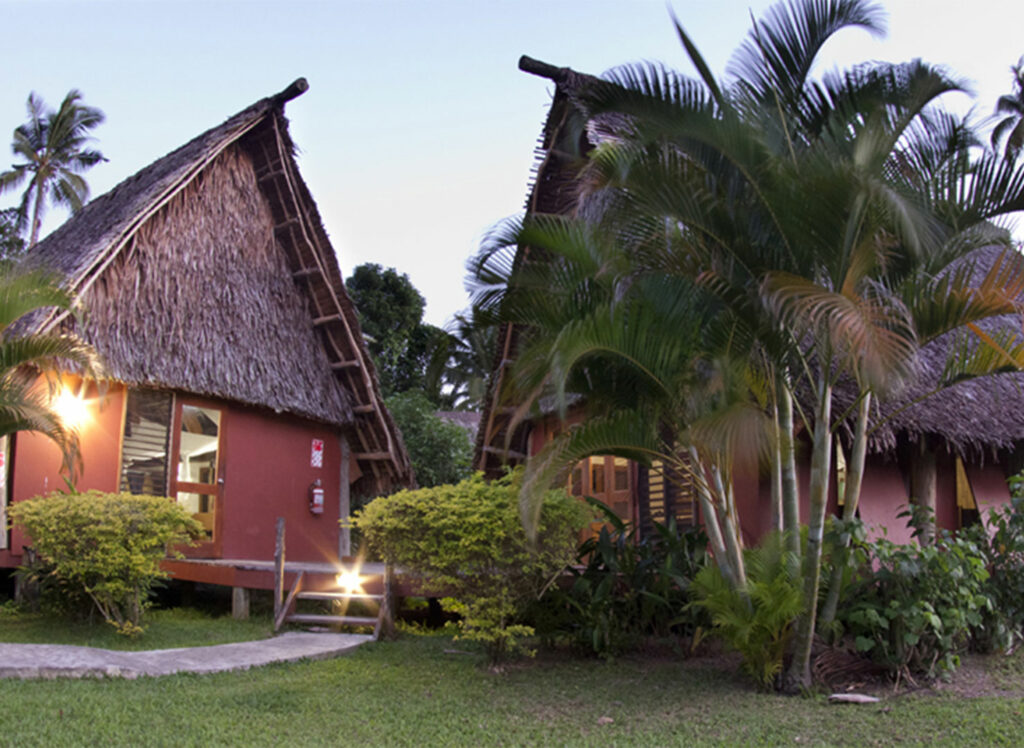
(240, 603)
(387, 613)
(923, 487)
(344, 500)
(279, 567)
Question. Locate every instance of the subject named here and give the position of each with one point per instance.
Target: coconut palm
(52, 146)
(28, 362)
(1011, 127)
(820, 216)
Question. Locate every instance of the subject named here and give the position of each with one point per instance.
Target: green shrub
(625, 587)
(107, 545)
(1002, 548)
(467, 541)
(756, 621)
(913, 607)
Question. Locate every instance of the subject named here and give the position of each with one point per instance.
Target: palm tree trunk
(730, 525)
(712, 525)
(37, 208)
(851, 497)
(776, 472)
(787, 459)
(798, 677)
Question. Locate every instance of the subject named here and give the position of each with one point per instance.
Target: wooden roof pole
(542, 69)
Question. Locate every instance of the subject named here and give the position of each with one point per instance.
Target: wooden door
(197, 470)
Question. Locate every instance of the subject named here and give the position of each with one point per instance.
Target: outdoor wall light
(71, 408)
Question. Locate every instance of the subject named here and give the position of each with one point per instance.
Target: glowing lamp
(71, 409)
(351, 581)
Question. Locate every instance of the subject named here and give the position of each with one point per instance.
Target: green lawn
(412, 692)
(165, 629)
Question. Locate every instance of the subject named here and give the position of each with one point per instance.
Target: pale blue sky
(417, 133)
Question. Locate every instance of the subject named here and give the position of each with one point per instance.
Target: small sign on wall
(316, 455)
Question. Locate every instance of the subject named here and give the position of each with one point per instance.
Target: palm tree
(1011, 127)
(817, 218)
(29, 361)
(52, 145)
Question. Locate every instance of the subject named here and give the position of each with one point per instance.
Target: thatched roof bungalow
(241, 381)
(955, 448)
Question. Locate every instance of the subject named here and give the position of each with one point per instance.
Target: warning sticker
(316, 456)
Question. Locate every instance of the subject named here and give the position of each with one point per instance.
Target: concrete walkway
(65, 661)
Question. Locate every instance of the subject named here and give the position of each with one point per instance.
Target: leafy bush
(913, 607)
(626, 587)
(468, 542)
(1002, 546)
(107, 545)
(756, 621)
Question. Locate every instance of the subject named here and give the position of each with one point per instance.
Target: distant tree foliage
(440, 451)
(52, 150)
(1010, 129)
(449, 368)
(391, 314)
(12, 245)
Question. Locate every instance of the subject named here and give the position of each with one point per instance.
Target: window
(147, 428)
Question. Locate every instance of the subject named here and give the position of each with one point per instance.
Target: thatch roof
(975, 415)
(209, 271)
(981, 414)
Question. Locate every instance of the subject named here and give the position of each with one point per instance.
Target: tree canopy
(53, 150)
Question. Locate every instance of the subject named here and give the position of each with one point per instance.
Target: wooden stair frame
(383, 623)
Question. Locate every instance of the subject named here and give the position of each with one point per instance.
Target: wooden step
(331, 620)
(338, 596)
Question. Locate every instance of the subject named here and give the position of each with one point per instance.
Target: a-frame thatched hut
(240, 380)
(952, 450)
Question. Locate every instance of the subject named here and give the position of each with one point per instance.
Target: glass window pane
(597, 474)
(197, 452)
(621, 474)
(201, 507)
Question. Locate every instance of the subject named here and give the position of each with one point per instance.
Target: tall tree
(391, 314)
(53, 148)
(1011, 107)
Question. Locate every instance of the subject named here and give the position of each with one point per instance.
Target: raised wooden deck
(258, 574)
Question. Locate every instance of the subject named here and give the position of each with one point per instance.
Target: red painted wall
(36, 461)
(883, 495)
(883, 492)
(267, 474)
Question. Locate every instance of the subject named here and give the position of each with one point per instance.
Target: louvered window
(665, 492)
(147, 428)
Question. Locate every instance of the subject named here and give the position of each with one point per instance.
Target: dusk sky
(418, 131)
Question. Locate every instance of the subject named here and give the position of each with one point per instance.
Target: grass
(413, 692)
(165, 629)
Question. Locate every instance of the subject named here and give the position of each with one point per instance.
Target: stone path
(66, 661)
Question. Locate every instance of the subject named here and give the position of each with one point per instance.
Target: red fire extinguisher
(316, 498)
